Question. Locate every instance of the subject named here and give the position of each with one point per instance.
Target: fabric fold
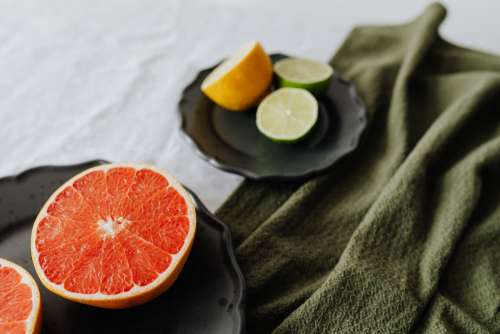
(403, 235)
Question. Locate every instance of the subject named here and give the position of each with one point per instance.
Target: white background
(81, 80)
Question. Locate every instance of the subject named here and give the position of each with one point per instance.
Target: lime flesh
(303, 73)
(287, 114)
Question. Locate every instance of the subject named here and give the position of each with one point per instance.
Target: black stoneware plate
(208, 296)
(231, 141)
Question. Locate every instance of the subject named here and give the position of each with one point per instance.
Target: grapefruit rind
(137, 295)
(33, 322)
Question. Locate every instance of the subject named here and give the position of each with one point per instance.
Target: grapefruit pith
(19, 300)
(114, 236)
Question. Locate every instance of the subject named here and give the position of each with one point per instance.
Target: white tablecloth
(81, 80)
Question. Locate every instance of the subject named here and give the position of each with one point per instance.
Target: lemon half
(242, 80)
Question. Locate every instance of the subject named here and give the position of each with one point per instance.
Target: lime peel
(303, 73)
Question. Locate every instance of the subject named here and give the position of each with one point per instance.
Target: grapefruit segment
(13, 327)
(70, 204)
(145, 259)
(92, 187)
(116, 275)
(57, 263)
(85, 277)
(119, 181)
(19, 300)
(114, 236)
(166, 233)
(55, 232)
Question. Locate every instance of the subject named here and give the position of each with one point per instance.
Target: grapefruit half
(19, 300)
(114, 236)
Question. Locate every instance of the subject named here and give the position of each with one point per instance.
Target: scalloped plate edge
(202, 209)
(249, 174)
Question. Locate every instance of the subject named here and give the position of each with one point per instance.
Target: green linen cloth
(404, 234)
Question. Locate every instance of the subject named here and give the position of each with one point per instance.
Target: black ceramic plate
(208, 296)
(230, 140)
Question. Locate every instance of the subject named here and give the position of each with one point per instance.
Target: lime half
(287, 114)
(303, 73)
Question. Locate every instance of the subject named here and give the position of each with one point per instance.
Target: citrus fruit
(303, 73)
(287, 114)
(19, 300)
(242, 80)
(114, 236)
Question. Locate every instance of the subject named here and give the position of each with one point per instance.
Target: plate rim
(310, 172)
(228, 242)
(226, 237)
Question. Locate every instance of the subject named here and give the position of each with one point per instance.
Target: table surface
(84, 80)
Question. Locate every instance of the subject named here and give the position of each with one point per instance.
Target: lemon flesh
(287, 114)
(240, 81)
(303, 73)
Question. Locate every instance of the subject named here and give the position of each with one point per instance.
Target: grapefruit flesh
(19, 300)
(114, 236)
